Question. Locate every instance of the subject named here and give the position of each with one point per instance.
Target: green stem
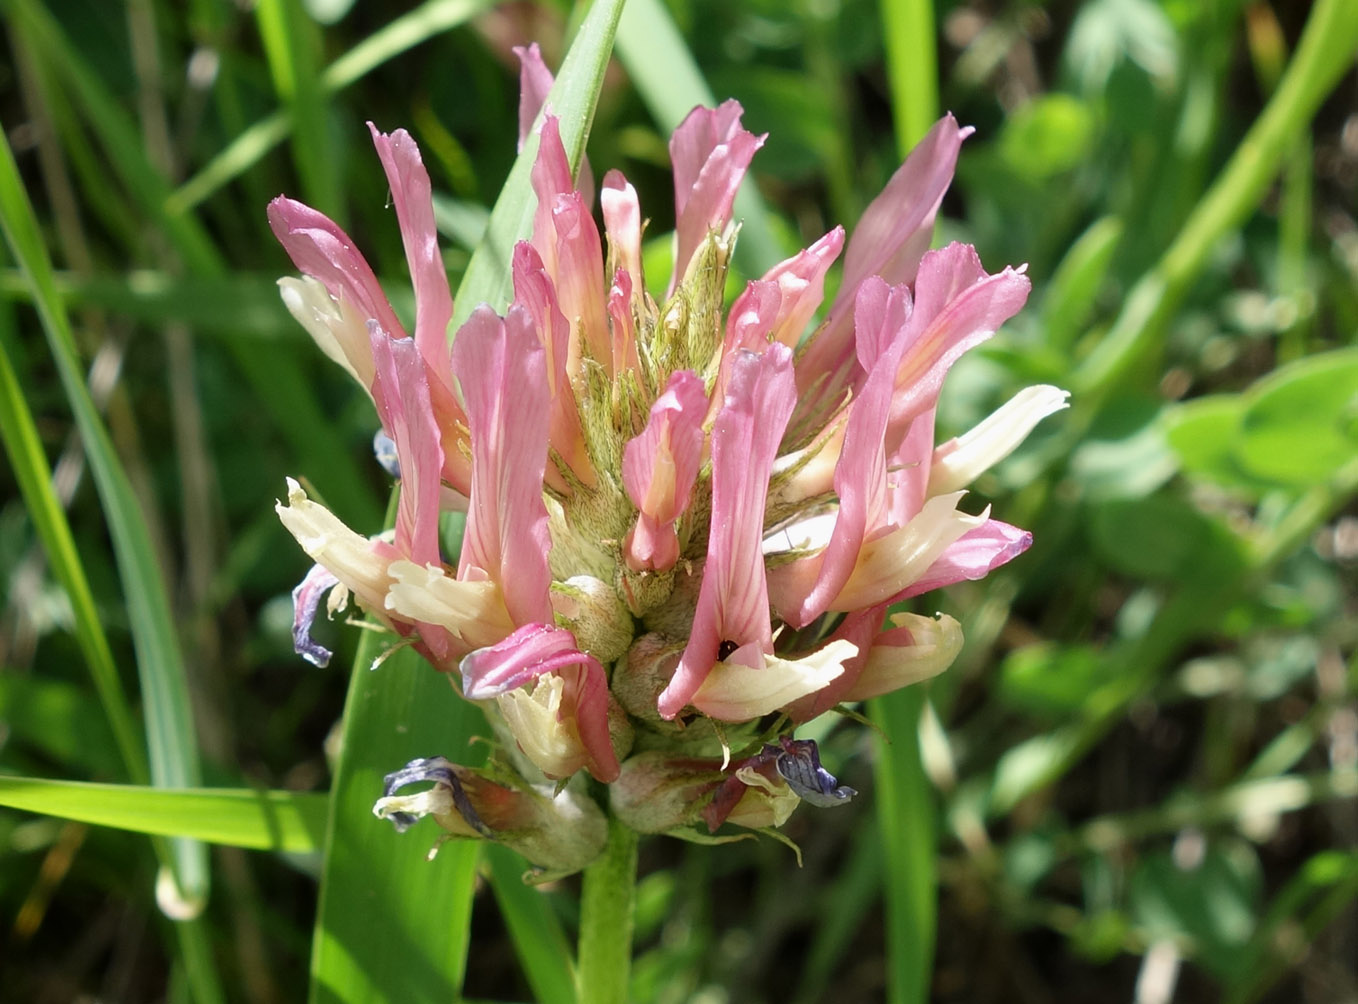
(606, 903)
(1323, 55)
(906, 818)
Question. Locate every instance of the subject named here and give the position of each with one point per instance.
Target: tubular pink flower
(881, 318)
(733, 599)
(622, 224)
(580, 700)
(567, 239)
(889, 241)
(710, 151)
(320, 249)
(535, 81)
(534, 291)
(402, 397)
(973, 555)
(411, 194)
(658, 471)
(797, 286)
(659, 488)
(501, 368)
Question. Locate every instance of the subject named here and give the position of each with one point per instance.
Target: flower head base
(663, 498)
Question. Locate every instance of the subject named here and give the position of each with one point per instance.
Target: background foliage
(1140, 780)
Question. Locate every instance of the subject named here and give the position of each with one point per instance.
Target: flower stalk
(607, 900)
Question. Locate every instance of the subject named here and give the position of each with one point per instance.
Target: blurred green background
(1142, 773)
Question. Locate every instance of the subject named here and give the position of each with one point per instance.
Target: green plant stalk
(904, 796)
(1325, 52)
(912, 68)
(906, 819)
(607, 900)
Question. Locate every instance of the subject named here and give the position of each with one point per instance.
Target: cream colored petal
(348, 555)
(890, 667)
(473, 611)
(959, 462)
(893, 561)
(735, 693)
(336, 327)
(767, 803)
(532, 718)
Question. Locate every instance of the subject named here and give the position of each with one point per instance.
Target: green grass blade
(912, 68)
(169, 723)
(906, 819)
(271, 371)
(290, 821)
(392, 926)
(289, 38)
(669, 81)
(31, 469)
(241, 305)
(248, 148)
(572, 100)
(541, 945)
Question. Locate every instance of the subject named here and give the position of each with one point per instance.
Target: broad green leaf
(241, 306)
(393, 925)
(1212, 902)
(288, 821)
(1300, 423)
(1047, 136)
(63, 722)
(290, 43)
(669, 81)
(1162, 537)
(169, 722)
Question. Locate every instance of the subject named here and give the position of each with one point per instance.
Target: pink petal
(531, 651)
(402, 397)
(957, 306)
(535, 650)
(501, 368)
(859, 627)
(799, 283)
(659, 468)
(972, 556)
(892, 235)
(733, 598)
(622, 223)
(586, 698)
(551, 177)
(411, 194)
(710, 151)
(320, 249)
(533, 290)
(622, 326)
(579, 277)
(535, 81)
(882, 322)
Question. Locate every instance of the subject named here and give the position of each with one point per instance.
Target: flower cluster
(684, 524)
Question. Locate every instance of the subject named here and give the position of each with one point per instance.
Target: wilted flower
(685, 525)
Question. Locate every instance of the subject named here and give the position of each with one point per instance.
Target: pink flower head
(679, 514)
